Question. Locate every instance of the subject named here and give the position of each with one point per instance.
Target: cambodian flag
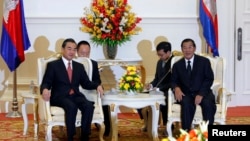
(15, 38)
(208, 19)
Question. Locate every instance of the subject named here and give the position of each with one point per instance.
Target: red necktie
(69, 70)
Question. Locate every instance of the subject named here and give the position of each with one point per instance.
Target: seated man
(192, 78)
(60, 85)
(83, 50)
(161, 80)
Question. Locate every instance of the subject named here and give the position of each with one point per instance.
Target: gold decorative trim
(112, 107)
(177, 53)
(57, 55)
(157, 105)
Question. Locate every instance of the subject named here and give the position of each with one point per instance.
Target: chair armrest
(95, 97)
(89, 94)
(99, 99)
(215, 88)
(223, 98)
(44, 109)
(99, 104)
(171, 101)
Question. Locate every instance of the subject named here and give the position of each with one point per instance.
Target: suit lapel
(185, 73)
(195, 68)
(74, 73)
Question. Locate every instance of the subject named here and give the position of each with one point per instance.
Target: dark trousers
(188, 109)
(106, 113)
(163, 110)
(164, 113)
(71, 104)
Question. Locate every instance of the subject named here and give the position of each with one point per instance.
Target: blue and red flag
(15, 38)
(209, 22)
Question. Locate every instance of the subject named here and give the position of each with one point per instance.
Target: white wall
(144, 8)
(172, 28)
(174, 19)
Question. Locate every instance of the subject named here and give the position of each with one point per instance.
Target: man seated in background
(162, 81)
(83, 50)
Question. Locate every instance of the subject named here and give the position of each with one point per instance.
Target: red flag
(208, 19)
(15, 38)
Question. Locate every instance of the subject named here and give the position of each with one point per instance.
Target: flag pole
(14, 113)
(207, 49)
(14, 41)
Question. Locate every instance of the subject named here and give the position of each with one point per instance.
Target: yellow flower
(126, 86)
(131, 80)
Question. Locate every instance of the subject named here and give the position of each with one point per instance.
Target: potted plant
(130, 82)
(110, 23)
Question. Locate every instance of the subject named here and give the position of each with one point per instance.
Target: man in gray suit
(63, 78)
(192, 78)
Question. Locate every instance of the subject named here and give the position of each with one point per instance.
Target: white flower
(123, 21)
(203, 126)
(101, 15)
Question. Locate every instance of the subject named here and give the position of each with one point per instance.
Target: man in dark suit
(83, 50)
(60, 85)
(192, 78)
(161, 80)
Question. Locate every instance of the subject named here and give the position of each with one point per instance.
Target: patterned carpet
(129, 128)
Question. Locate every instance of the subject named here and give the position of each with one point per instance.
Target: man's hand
(198, 99)
(46, 94)
(149, 86)
(178, 94)
(100, 90)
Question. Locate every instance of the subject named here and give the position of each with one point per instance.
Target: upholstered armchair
(51, 116)
(221, 94)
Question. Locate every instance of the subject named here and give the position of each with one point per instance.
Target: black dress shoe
(172, 127)
(144, 129)
(107, 130)
(97, 126)
(85, 138)
(70, 139)
(106, 133)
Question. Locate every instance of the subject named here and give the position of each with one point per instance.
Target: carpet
(12, 130)
(129, 127)
(238, 111)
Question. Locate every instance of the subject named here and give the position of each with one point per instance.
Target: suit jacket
(202, 76)
(56, 79)
(159, 74)
(95, 75)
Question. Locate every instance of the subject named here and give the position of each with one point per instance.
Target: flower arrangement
(131, 80)
(110, 22)
(200, 134)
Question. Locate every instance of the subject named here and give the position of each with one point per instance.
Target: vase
(110, 51)
(130, 92)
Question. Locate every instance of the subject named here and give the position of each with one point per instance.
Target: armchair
(52, 116)
(221, 94)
